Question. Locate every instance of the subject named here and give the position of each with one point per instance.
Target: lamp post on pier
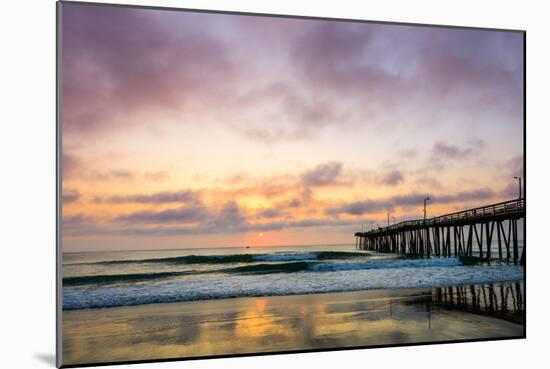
(519, 183)
(426, 199)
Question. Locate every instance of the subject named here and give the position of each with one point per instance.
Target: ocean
(127, 278)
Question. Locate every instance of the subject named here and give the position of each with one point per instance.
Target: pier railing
(505, 209)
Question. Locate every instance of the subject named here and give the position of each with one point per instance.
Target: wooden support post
(442, 230)
(436, 240)
(440, 240)
(508, 254)
(489, 231)
(428, 243)
(499, 226)
(457, 230)
(448, 245)
(515, 226)
(470, 239)
(506, 239)
(455, 244)
(438, 236)
(479, 239)
(461, 241)
(464, 249)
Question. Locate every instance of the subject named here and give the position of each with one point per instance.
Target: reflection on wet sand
(282, 323)
(504, 300)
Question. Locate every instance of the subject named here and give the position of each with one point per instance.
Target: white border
(27, 188)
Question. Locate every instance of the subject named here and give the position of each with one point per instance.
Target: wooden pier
(453, 234)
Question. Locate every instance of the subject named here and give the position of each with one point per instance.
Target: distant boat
(247, 247)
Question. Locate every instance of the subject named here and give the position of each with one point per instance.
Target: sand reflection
(269, 324)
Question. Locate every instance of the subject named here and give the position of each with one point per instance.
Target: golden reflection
(279, 323)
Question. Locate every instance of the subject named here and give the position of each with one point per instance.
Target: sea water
(125, 278)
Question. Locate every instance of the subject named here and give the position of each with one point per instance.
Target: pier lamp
(393, 218)
(426, 199)
(519, 182)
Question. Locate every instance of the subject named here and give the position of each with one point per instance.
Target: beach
(289, 323)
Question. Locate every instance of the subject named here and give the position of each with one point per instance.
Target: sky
(196, 130)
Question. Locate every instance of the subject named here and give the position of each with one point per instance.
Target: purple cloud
(95, 228)
(323, 174)
(392, 178)
(472, 195)
(70, 195)
(181, 215)
(123, 61)
(154, 198)
(413, 199)
(269, 213)
(230, 217)
(447, 151)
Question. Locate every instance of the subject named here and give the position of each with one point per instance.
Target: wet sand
(282, 323)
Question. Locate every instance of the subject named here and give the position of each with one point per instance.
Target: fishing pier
(455, 234)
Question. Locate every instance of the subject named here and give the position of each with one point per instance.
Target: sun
(261, 235)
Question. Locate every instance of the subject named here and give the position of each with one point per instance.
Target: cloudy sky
(184, 130)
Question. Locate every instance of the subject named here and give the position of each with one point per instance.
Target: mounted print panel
(240, 184)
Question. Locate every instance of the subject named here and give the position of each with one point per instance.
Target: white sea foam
(386, 264)
(237, 285)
